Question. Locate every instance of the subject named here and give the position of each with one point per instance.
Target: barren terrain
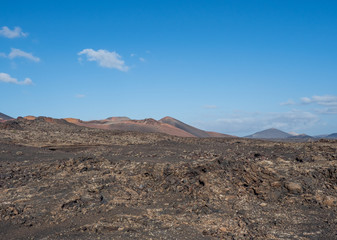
(63, 181)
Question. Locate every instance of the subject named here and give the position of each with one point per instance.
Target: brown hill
(126, 124)
(183, 126)
(4, 117)
(165, 125)
(218, 135)
(192, 130)
(149, 125)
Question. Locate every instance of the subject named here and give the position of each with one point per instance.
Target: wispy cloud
(105, 59)
(327, 110)
(210, 106)
(15, 33)
(79, 95)
(140, 58)
(328, 103)
(326, 100)
(15, 53)
(289, 102)
(4, 77)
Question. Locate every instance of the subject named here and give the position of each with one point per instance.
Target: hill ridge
(5, 117)
(270, 133)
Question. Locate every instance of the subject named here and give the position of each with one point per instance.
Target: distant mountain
(321, 136)
(5, 117)
(327, 136)
(300, 136)
(166, 125)
(271, 133)
(333, 135)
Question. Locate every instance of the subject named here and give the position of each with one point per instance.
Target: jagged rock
(62, 181)
(294, 187)
(330, 201)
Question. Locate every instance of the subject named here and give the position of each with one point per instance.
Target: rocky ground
(61, 181)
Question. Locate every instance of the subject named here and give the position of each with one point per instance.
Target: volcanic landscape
(68, 179)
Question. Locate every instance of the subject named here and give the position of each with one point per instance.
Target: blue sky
(230, 66)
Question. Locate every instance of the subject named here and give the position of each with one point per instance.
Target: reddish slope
(192, 130)
(125, 124)
(219, 135)
(187, 128)
(149, 125)
(166, 125)
(4, 117)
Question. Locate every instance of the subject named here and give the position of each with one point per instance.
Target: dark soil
(62, 181)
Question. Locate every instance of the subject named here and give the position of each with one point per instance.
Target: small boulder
(329, 201)
(294, 187)
(19, 153)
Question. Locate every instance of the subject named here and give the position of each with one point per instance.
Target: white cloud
(79, 95)
(27, 81)
(210, 106)
(327, 103)
(16, 32)
(4, 77)
(328, 110)
(326, 100)
(289, 102)
(19, 53)
(305, 100)
(132, 54)
(141, 59)
(105, 58)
